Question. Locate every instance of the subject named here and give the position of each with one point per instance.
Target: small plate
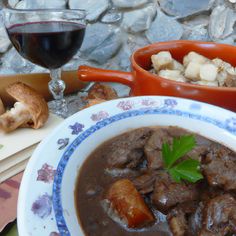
(46, 200)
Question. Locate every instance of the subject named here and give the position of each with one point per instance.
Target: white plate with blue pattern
(46, 200)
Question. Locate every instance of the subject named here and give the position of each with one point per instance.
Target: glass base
(67, 106)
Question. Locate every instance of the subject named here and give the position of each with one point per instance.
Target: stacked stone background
(118, 27)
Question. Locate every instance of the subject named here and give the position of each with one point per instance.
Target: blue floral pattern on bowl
(76, 128)
(231, 124)
(63, 142)
(99, 116)
(42, 207)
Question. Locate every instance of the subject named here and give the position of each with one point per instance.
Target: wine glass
(48, 38)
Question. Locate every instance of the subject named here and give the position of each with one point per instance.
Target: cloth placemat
(16, 147)
(18, 140)
(8, 199)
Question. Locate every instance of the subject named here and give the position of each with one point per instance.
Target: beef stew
(125, 179)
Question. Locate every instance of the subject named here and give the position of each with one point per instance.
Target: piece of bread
(102, 91)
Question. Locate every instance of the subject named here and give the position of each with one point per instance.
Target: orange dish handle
(87, 73)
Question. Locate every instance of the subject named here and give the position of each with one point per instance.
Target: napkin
(16, 147)
(8, 200)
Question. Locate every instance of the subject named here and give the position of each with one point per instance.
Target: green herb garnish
(1, 146)
(186, 170)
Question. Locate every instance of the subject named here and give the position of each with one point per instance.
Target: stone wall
(117, 27)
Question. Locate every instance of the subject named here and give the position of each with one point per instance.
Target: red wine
(49, 44)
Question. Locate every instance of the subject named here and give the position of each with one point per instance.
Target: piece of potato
(172, 75)
(226, 79)
(129, 204)
(224, 66)
(230, 81)
(221, 77)
(226, 73)
(196, 69)
(192, 71)
(194, 57)
(208, 72)
(162, 60)
(177, 66)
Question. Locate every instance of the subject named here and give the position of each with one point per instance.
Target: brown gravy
(92, 184)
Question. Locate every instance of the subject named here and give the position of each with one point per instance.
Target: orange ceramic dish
(142, 82)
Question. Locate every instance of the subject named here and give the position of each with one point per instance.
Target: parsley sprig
(187, 169)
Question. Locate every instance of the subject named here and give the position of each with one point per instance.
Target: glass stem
(57, 87)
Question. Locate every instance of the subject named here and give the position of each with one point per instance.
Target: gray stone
(118, 27)
(202, 19)
(164, 28)
(95, 34)
(128, 3)
(134, 42)
(93, 8)
(221, 23)
(223, 2)
(139, 20)
(2, 4)
(107, 49)
(101, 42)
(112, 16)
(124, 58)
(122, 90)
(184, 8)
(198, 32)
(37, 4)
(13, 3)
(4, 40)
(79, 60)
(229, 40)
(21, 5)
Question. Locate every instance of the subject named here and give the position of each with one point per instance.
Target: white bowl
(46, 200)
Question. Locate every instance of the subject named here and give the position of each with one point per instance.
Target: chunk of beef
(219, 167)
(177, 223)
(195, 220)
(127, 149)
(174, 131)
(134, 158)
(209, 192)
(219, 216)
(201, 148)
(168, 193)
(202, 143)
(145, 183)
(178, 218)
(153, 148)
